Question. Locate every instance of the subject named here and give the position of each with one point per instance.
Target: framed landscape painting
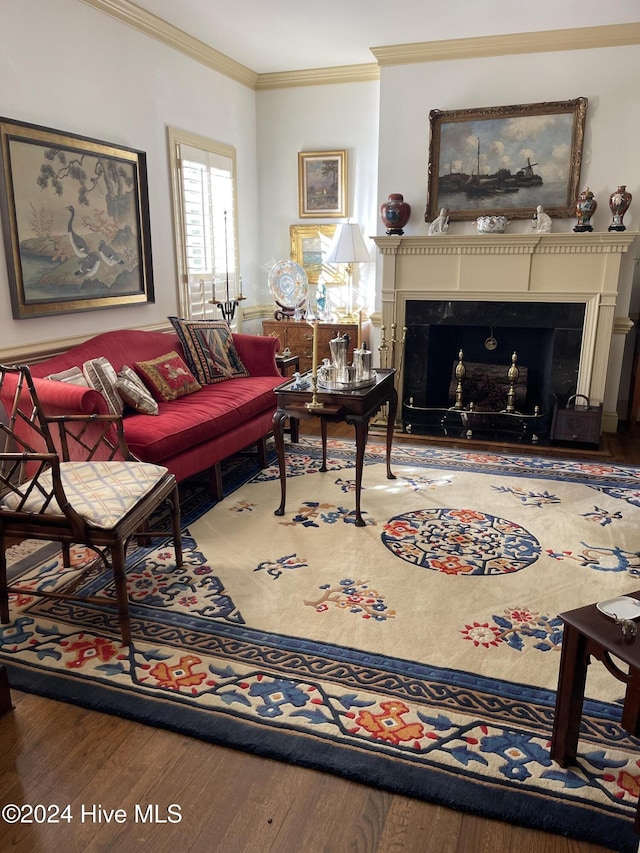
(506, 160)
(75, 216)
(322, 184)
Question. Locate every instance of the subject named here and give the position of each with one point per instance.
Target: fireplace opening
(546, 338)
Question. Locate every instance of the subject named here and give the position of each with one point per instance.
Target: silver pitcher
(362, 363)
(339, 347)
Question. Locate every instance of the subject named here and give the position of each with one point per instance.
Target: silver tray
(347, 386)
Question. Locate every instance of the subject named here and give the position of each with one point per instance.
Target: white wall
(605, 76)
(66, 66)
(314, 118)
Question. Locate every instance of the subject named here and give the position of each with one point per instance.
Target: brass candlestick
(314, 403)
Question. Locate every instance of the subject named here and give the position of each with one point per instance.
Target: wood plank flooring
(53, 753)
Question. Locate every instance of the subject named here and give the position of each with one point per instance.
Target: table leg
(278, 434)
(391, 420)
(323, 433)
(362, 431)
(631, 707)
(570, 696)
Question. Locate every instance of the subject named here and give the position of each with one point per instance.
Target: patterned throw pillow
(101, 376)
(168, 376)
(135, 393)
(72, 376)
(209, 349)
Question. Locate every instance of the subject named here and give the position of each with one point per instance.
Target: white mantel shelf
(508, 244)
(557, 267)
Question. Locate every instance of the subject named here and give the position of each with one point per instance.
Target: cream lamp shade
(348, 248)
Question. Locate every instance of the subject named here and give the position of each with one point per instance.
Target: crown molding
(585, 38)
(319, 76)
(157, 28)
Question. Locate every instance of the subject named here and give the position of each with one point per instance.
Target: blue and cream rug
(419, 653)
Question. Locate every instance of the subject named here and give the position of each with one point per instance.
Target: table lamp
(348, 248)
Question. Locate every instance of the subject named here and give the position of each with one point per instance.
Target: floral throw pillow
(168, 377)
(209, 349)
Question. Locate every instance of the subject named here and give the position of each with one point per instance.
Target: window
(204, 201)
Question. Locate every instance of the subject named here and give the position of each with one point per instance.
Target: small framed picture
(322, 184)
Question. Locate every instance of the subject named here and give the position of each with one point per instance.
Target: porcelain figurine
(440, 224)
(541, 222)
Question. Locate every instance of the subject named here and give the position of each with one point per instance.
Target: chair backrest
(24, 430)
(29, 465)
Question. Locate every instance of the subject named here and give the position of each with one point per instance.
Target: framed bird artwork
(75, 217)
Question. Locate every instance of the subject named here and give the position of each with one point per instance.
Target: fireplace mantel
(555, 267)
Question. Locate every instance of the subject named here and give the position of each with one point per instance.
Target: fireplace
(550, 298)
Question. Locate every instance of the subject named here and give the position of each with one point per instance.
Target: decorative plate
(288, 283)
(622, 607)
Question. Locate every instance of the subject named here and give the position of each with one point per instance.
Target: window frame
(176, 138)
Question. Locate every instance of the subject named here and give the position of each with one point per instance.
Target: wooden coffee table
(355, 407)
(589, 633)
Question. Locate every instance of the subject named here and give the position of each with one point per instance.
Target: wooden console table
(355, 407)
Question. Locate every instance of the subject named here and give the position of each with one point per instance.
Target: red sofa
(191, 434)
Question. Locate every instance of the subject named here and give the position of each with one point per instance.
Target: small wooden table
(589, 633)
(355, 407)
(5, 696)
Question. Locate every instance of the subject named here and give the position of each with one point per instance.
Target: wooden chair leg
(118, 559)
(262, 452)
(66, 555)
(4, 594)
(177, 530)
(216, 482)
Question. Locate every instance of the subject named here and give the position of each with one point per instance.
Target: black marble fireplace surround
(546, 336)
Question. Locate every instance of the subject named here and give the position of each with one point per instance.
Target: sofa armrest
(258, 353)
(62, 398)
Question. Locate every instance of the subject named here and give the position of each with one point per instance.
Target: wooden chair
(72, 479)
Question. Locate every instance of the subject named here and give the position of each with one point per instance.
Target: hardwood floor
(52, 753)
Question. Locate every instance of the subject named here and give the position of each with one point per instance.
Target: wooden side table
(356, 407)
(287, 362)
(5, 695)
(589, 633)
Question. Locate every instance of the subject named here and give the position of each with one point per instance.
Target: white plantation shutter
(204, 186)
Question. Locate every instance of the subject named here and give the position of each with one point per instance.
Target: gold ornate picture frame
(505, 160)
(322, 184)
(75, 217)
(309, 246)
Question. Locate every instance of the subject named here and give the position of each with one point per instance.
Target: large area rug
(419, 653)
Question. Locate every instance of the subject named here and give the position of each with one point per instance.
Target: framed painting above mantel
(75, 217)
(506, 160)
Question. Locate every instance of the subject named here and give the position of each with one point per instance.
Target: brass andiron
(383, 349)
(461, 372)
(512, 375)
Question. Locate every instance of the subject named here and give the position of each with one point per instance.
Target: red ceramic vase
(395, 213)
(619, 202)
